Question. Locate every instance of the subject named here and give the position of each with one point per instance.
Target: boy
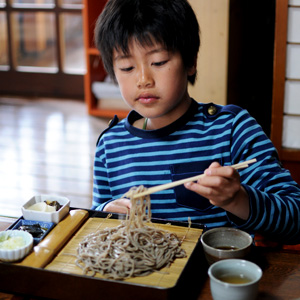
(150, 48)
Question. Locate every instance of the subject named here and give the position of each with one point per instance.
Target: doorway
(41, 48)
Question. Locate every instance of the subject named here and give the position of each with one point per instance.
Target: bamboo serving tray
(50, 270)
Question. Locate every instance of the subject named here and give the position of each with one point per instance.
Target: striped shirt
(127, 156)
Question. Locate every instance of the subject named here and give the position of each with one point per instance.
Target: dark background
(250, 61)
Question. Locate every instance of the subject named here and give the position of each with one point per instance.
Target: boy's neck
(157, 123)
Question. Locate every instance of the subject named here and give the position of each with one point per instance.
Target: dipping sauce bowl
(225, 243)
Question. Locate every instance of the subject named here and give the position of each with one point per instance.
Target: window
(41, 48)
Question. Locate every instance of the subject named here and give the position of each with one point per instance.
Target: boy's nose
(145, 79)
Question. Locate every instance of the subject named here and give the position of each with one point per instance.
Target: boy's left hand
(221, 185)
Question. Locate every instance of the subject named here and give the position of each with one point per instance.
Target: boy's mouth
(147, 98)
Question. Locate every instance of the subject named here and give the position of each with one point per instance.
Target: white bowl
(18, 252)
(234, 279)
(45, 216)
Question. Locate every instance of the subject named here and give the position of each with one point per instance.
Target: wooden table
(280, 281)
(5, 223)
(281, 275)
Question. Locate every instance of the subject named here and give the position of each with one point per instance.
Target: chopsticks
(169, 185)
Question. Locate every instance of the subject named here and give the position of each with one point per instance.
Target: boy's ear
(193, 69)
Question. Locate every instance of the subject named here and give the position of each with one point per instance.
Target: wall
(213, 18)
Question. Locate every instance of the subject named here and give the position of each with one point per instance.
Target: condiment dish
(14, 245)
(38, 229)
(36, 208)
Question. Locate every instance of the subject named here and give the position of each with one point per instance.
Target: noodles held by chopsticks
(132, 248)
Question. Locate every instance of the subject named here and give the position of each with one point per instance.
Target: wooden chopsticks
(169, 185)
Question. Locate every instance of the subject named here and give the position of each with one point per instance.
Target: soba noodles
(130, 249)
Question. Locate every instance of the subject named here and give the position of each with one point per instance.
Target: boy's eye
(128, 69)
(160, 63)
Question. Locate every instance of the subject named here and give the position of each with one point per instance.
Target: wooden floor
(46, 147)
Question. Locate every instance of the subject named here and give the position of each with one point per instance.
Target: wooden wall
(213, 18)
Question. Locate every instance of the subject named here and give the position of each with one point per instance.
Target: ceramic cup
(225, 243)
(234, 279)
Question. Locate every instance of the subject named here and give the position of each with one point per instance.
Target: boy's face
(153, 82)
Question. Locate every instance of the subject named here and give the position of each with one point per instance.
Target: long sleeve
(101, 189)
(274, 196)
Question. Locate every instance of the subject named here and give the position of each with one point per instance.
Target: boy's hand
(221, 185)
(120, 206)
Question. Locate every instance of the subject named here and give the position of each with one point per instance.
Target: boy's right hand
(120, 206)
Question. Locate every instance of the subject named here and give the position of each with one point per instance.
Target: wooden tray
(50, 271)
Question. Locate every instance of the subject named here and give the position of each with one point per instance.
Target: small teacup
(234, 279)
(226, 243)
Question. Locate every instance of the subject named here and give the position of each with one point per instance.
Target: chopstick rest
(45, 251)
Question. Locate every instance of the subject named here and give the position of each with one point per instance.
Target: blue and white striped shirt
(127, 156)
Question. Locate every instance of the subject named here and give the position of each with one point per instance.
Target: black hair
(171, 23)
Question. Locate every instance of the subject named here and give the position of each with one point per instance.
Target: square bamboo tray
(60, 278)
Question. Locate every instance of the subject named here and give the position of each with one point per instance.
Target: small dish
(224, 243)
(15, 245)
(38, 233)
(46, 216)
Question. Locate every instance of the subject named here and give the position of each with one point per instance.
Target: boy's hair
(170, 22)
